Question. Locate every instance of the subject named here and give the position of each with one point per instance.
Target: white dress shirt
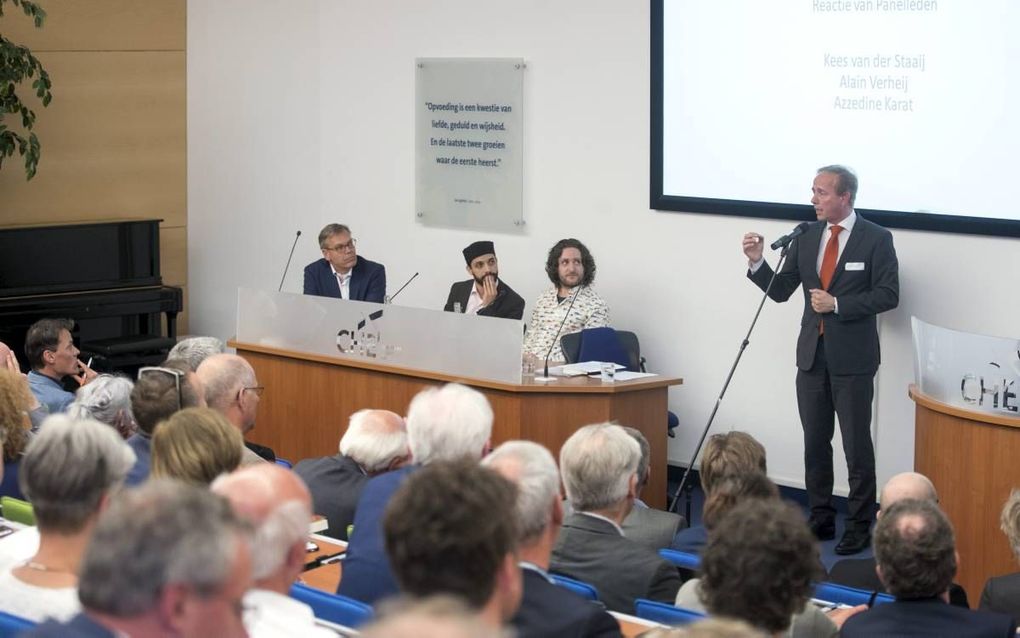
(344, 281)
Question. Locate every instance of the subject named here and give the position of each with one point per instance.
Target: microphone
(573, 297)
(289, 257)
(785, 240)
(402, 287)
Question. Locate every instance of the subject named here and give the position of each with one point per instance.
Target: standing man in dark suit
(484, 294)
(341, 273)
(849, 272)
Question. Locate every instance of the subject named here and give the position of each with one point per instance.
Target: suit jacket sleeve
(508, 305)
(311, 284)
(451, 299)
(884, 292)
(787, 281)
(665, 584)
(376, 288)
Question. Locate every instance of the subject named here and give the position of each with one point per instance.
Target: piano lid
(37, 260)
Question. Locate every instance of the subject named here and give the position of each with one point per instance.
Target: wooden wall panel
(114, 139)
(101, 25)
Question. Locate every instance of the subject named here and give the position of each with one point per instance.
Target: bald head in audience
(433, 617)
(277, 504)
(376, 440)
(231, 389)
(907, 485)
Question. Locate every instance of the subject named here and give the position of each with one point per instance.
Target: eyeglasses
(342, 248)
(176, 374)
(257, 389)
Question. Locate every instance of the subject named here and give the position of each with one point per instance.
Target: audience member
(52, 356)
(375, 442)
(734, 494)
(432, 617)
(195, 350)
(915, 548)
(860, 572)
(599, 466)
(232, 389)
(342, 273)
(726, 454)
(707, 628)
(444, 536)
(14, 423)
(759, 565)
(68, 472)
(547, 610)
(651, 527)
(166, 559)
(569, 306)
(1002, 593)
(484, 294)
(158, 393)
(196, 445)
(279, 508)
(107, 400)
(445, 423)
(37, 412)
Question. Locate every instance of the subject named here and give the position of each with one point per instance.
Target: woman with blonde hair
(195, 445)
(15, 402)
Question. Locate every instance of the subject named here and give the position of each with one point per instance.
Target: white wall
(300, 113)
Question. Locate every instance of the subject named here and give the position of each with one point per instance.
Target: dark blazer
(507, 304)
(591, 550)
(367, 573)
(550, 611)
(368, 280)
(651, 527)
(927, 617)
(851, 336)
(860, 573)
(80, 626)
(1002, 594)
(691, 540)
(335, 483)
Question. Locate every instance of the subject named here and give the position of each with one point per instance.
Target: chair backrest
(17, 510)
(665, 613)
(584, 590)
(11, 625)
(834, 593)
(602, 344)
(686, 560)
(332, 607)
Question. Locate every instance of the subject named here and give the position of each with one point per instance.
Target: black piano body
(105, 275)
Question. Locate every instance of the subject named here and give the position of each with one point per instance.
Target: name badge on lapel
(855, 265)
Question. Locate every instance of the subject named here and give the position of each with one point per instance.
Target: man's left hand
(821, 301)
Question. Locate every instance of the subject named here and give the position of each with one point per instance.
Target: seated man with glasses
(341, 273)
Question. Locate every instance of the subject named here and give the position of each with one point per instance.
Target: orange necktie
(829, 258)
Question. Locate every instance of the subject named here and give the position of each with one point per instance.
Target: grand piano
(105, 275)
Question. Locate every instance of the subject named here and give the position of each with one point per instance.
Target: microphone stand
(402, 288)
(545, 378)
(289, 257)
(718, 401)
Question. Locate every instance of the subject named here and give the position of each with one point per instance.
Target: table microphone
(402, 287)
(785, 240)
(289, 257)
(545, 373)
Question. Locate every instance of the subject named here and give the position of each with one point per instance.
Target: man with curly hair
(570, 305)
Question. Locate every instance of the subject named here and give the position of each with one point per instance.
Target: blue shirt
(49, 392)
(142, 445)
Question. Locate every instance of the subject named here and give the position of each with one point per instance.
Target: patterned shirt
(589, 311)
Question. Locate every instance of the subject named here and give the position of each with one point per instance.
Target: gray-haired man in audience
(599, 464)
(546, 608)
(232, 390)
(166, 559)
(277, 504)
(195, 350)
(652, 528)
(375, 442)
(447, 423)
